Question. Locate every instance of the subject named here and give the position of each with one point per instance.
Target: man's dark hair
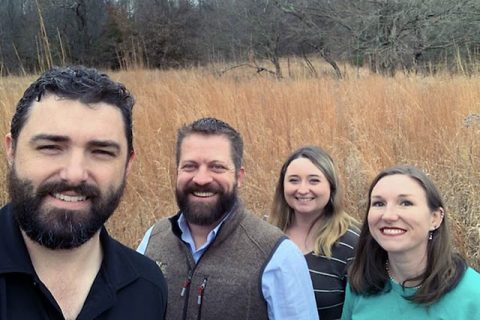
(213, 126)
(86, 85)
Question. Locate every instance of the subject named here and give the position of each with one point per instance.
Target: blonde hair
(334, 221)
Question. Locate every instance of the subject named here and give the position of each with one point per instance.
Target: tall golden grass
(366, 121)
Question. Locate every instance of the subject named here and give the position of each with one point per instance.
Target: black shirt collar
(117, 268)
(13, 252)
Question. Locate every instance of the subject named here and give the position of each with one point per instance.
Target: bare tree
(168, 29)
(386, 35)
(389, 34)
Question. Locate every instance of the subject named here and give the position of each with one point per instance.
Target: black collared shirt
(128, 285)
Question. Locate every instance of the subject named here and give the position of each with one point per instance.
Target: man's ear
(240, 176)
(131, 157)
(9, 148)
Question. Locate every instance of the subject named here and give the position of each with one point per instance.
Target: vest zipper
(186, 292)
(186, 283)
(201, 291)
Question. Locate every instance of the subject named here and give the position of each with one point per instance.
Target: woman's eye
(377, 204)
(406, 203)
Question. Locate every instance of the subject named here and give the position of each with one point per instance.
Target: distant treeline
(384, 35)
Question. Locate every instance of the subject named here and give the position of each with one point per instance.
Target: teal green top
(461, 303)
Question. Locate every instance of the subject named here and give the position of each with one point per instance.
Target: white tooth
(392, 231)
(304, 199)
(67, 198)
(204, 194)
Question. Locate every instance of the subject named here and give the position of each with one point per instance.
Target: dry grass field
(366, 121)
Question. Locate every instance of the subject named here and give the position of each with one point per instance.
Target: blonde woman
(307, 207)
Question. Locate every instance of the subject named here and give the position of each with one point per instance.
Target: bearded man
(221, 261)
(69, 151)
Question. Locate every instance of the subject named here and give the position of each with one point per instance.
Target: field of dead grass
(366, 121)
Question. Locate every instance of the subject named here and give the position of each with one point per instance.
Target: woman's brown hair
(368, 275)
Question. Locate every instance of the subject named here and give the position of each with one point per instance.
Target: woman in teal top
(404, 267)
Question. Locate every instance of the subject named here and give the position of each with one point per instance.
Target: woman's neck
(305, 221)
(302, 231)
(401, 269)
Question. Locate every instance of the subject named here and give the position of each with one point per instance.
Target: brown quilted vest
(226, 282)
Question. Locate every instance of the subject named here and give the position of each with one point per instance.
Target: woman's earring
(430, 233)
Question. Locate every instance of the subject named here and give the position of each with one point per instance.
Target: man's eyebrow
(49, 137)
(105, 144)
(60, 138)
(218, 162)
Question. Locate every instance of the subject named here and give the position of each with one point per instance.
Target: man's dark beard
(59, 228)
(205, 214)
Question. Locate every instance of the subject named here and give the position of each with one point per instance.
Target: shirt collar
(116, 268)
(187, 237)
(13, 252)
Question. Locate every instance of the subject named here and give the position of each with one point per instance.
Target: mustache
(192, 187)
(83, 189)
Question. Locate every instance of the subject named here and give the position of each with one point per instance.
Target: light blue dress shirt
(286, 283)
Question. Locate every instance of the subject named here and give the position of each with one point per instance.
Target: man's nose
(202, 176)
(74, 170)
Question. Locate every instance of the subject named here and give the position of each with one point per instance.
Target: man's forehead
(212, 146)
(215, 140)
(61, 116)
(50, 105)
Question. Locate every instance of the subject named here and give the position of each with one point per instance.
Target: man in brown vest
(221, 261)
